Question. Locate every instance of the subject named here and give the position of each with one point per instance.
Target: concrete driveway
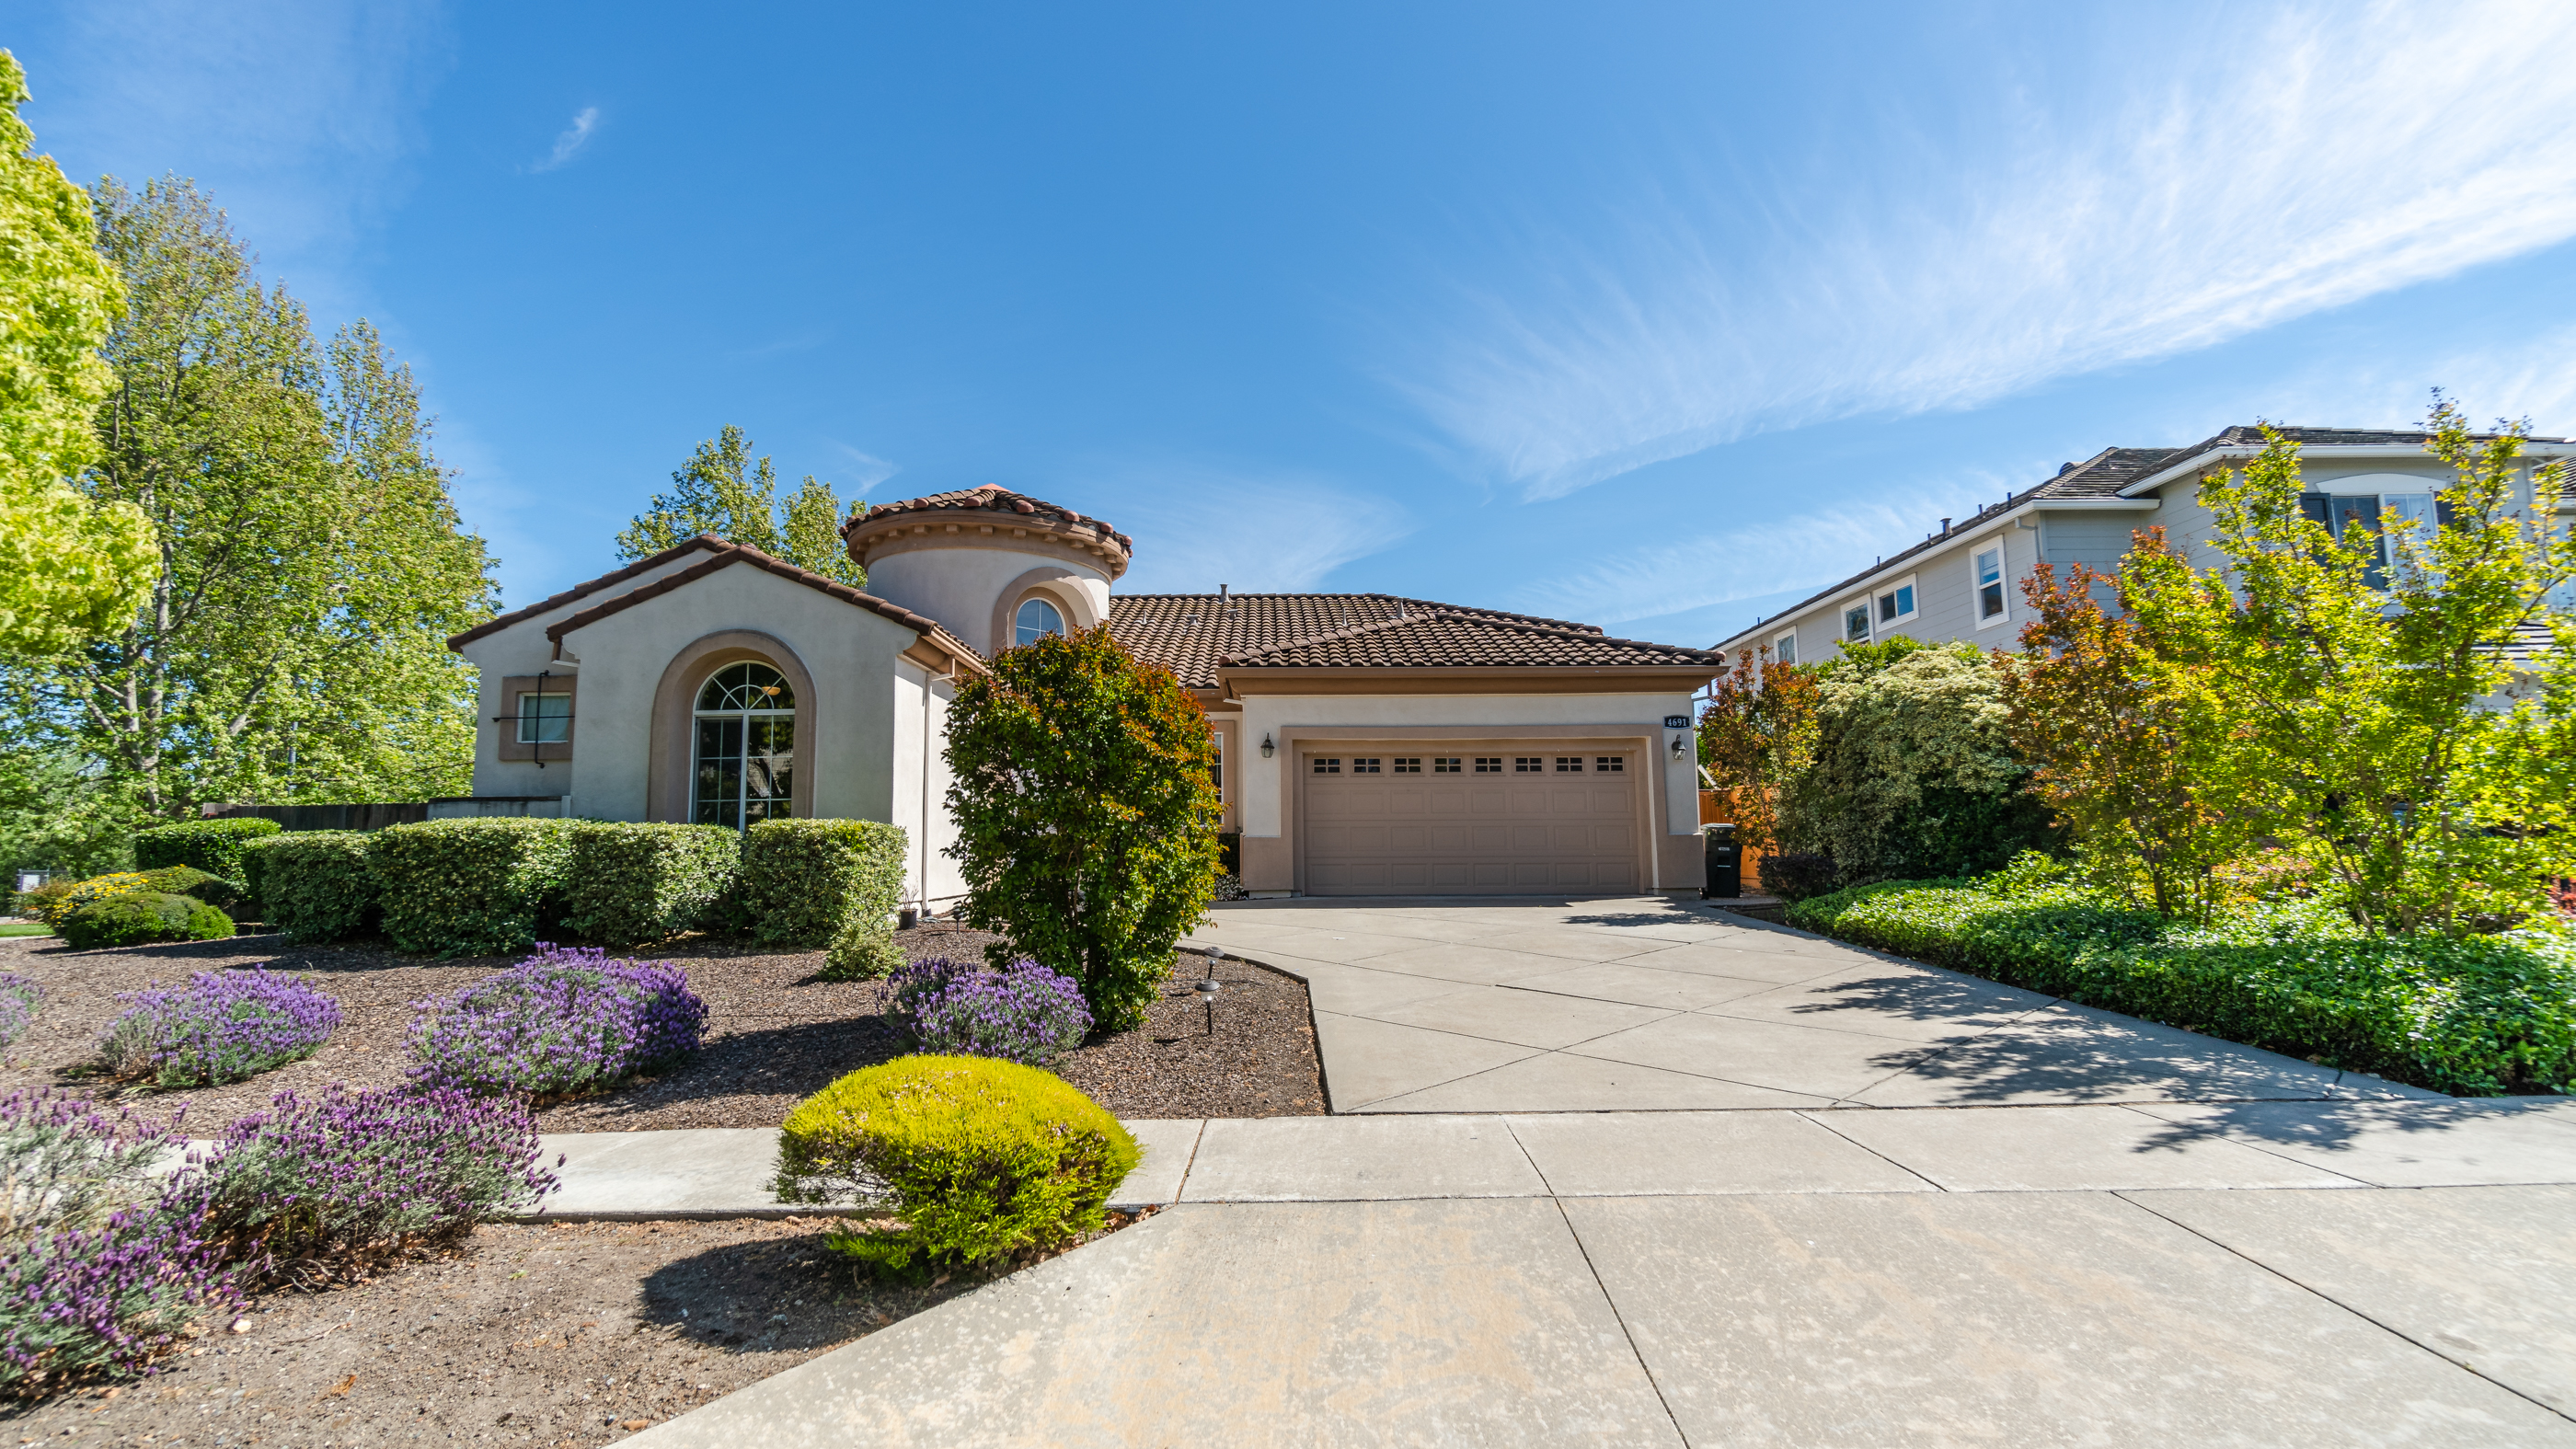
(1652, 1004)
(1630, 1172)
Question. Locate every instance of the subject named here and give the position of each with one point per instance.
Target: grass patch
(24, 928)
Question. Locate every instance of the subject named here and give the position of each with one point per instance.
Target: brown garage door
(1531, 821)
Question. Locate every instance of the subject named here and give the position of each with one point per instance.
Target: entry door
(1526, 821)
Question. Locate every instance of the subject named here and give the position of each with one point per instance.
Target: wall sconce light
(1267, 749)
(1678, 742)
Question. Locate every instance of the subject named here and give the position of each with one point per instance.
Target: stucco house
(1370, 744)
(1963, 581)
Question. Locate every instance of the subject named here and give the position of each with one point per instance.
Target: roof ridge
(499, 622)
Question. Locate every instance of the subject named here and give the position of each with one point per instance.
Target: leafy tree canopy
(71, 567)
(1086, 815)
(291, 644)
(1758, 732)
(721, 491)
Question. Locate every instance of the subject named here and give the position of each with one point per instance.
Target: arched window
(746, 721)
(1036, 619)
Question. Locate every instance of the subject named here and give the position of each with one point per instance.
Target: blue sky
(1650, 315)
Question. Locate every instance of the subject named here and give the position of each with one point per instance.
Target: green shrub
(469, 887)
(213, 846)
(54, 903)
(187, 880)
(634, 883)
(2478, 1016)
(44, 903)
(315, 885)
(978, 1158)
(137, 918)
(828, 883)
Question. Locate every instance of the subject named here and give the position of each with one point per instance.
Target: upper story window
(1896, 604)
(1785, 648)
(1856, 624)
(1035, 620)
(1991, 606)
(545, 719)
(1891, 605)
(2372, 514)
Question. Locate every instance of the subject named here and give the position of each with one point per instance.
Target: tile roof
(2103, 476)
(724, 556)
(1194, 635)
(991, 497)
(641, 566)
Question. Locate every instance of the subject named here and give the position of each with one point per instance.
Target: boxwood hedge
(828, 883)
(633, 883)
(2477, 1016)
(213, 846)
(314, 884)
(469, 887)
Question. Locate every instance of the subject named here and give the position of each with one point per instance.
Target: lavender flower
(221, 1027)
(349, 1174)
(102, 1265)
(567, 1019)
(19, 998)
(1023, 1012)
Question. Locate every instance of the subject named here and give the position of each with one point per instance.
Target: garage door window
(1412, 766)
(1364, 767)
(1528, 765)
(1569, 764)
(1611, 765)
(1489, 764)
(1446, 765)
(1327, 767)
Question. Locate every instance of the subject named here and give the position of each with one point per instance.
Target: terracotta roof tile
(1196, 635)
(725, 556)
(991, 498)
(641, 566)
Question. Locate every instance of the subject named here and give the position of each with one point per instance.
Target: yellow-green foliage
(54, 906)
(978, 1158)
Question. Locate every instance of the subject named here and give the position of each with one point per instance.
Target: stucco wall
(959, 586)
(852, 654)
(921, 778)
(523, 648)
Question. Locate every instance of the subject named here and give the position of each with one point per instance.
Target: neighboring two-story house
(1964, 580)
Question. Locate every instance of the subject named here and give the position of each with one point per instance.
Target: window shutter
(2441, 510)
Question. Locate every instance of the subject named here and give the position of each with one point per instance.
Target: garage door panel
(1542, 834)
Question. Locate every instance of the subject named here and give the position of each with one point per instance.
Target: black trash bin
(1725, 863)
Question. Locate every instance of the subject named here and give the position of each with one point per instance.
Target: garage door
(1518, 823)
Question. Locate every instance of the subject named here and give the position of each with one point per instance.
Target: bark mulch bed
(775, 1035)
(563, 1333)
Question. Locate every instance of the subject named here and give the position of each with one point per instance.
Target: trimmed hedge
(213, 846)
(314, 884)
(633, 883)
(2480, 1016)
(979, 1158)
(469, 887)
(143, 918)
(828, 883)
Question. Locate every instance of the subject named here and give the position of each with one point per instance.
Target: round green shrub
(213, 846)
(187, 880)
(141, 918)
(978, 1158)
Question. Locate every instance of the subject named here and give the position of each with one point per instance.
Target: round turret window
(1036, 619)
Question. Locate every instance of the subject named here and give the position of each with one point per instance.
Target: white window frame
(1977, 582)
(526, 718)
(1889, 590)
(1784, 647)
(1843, 630)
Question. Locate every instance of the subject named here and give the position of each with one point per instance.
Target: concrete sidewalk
(2495, 1142)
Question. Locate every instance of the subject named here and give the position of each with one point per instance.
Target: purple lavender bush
(220, 1027)
(19, 998)
(568, 1019)
(103, 1265)
(355, 1175)
(1023, 1013)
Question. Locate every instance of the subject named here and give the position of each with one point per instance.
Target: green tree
(2366, 707)
(1757, 733)
(721, 491)
(1913, 775)
(2121, 743)
(70, 568)
(1086, 815)
(291, 646)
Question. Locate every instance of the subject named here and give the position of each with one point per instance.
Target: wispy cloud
(1196, 528)
(2535, 379)
(575, 136)
(2251, 176)
(1789, 555)
(866, 470)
